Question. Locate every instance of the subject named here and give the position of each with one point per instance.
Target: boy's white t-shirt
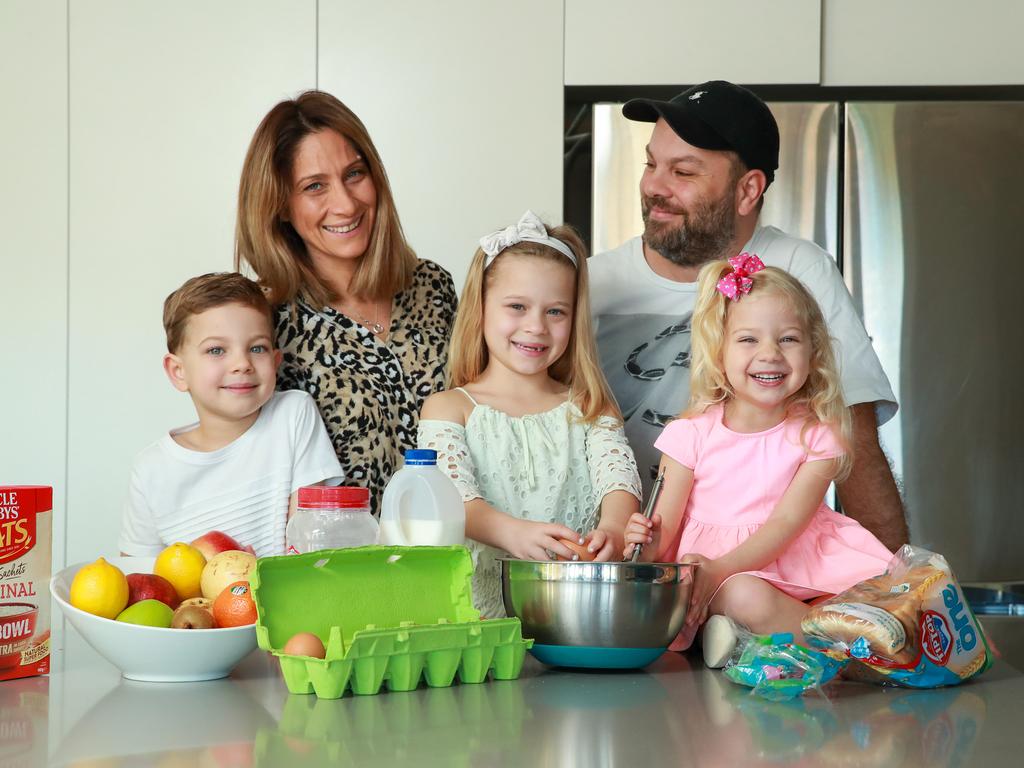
(242, 489)
(643, 334)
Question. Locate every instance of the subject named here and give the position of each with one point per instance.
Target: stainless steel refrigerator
(923, 199)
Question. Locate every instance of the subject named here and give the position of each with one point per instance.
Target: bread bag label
(950, 634)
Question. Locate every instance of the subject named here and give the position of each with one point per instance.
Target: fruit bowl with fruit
(173, 618)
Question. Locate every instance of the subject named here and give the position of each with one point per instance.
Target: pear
(149, 613)
(192, 617)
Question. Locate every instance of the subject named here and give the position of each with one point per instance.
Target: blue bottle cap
(421, 457)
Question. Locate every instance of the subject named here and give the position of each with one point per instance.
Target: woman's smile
(343, 229)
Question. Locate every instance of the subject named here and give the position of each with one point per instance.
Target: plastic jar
(421, 505)
(331, 517)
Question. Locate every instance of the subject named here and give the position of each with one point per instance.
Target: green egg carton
(387, 616)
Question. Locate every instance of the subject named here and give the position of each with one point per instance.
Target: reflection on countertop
(674, 712)
(24, 715)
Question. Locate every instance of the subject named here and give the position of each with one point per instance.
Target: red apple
(215, 542)
(149, 586)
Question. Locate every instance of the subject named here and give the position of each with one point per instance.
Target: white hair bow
(529, 228)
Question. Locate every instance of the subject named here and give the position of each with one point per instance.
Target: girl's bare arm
(660, 531)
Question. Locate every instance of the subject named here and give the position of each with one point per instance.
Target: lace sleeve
(611, 462)
(449, 440)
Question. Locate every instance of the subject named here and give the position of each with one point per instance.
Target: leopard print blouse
(368, 392)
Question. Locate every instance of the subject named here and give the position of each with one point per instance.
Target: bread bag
(912, 624)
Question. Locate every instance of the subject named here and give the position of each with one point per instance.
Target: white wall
(464, 102)
(99, 221)
(34, 248)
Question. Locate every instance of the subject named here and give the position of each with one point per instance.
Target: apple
(224, 569)
(215, 542)
(149, 586)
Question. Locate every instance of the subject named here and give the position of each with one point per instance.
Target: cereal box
(25, 519)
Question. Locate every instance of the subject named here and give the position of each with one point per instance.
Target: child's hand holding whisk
(642, 532)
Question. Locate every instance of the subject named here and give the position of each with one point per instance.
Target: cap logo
(697, 95)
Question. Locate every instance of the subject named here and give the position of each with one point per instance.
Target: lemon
(182, 565)
(100, 588)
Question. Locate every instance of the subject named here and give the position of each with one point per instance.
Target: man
(712, 154)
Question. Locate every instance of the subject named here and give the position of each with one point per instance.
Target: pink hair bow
(738, 281)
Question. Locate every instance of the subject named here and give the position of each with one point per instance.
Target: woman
(362, 322)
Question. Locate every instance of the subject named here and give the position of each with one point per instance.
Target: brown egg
(579, 549)
(305, 644)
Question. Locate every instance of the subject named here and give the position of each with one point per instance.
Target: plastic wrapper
(778, 669)
(911, 625)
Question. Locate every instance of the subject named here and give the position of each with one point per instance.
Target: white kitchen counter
(675, 712)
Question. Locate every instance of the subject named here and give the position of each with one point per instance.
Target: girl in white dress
(528, 430)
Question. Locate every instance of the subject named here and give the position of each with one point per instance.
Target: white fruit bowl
(154, 654)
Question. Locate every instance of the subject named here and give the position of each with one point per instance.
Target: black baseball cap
(718, 115)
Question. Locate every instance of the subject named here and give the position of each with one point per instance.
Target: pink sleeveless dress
(739, 478)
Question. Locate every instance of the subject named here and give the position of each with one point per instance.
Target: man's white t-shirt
(242, 489)
(643, 334)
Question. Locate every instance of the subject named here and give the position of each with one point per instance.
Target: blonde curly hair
(818, 401)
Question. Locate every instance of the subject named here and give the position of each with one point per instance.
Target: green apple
(149, 613)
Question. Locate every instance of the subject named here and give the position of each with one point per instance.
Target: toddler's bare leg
(758, 605)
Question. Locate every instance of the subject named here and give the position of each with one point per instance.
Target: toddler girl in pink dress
(748, 464)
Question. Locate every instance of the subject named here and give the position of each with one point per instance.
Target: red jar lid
(333, 497)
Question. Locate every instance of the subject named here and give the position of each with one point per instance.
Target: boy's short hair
(214, 289)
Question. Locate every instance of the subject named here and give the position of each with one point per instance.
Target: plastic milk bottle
(421, 505)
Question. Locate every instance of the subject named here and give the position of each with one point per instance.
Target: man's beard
(700, 236)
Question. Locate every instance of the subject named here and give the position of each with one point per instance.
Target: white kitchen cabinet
(164, 99)
(464, 102)
(922, 42)
(654, 42)
(33, 248)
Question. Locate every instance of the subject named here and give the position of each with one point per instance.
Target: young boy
(238, 469)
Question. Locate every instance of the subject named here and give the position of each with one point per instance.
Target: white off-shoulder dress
(550, 467)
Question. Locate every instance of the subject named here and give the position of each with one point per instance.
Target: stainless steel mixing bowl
(597, 605)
